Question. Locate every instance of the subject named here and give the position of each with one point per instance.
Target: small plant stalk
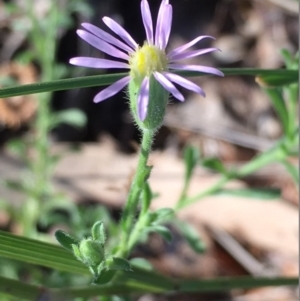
(140, 178)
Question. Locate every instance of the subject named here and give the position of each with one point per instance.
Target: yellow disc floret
(147, 59)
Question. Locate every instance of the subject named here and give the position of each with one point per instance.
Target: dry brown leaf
(15, 111)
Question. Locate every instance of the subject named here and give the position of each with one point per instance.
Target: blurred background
(97, 143)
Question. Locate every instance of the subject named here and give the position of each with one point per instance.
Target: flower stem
(141, 223)
(140, 178)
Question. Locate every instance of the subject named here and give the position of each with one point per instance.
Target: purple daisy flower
(143, 62)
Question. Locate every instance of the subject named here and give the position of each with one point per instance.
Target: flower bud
(91, 251)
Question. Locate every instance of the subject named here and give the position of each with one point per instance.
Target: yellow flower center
(146, 60)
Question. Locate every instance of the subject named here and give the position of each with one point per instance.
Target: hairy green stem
(141, 176)
(141, 223)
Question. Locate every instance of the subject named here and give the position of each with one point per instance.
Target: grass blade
(106, 79)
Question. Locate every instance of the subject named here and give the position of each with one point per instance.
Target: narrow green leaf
(147, 197)
(276, 97)
(292, 170)
(73, 117)
(120, 264)
(256, 193)
(40, 253)
(17, 146)
(274, 80)
(191, 157)
(15, 185)
(141, 263)
(57, 202)
(146, 283)
(140, 281)
(18, 289)
(291, 62)
(161, 215)
(287, 57)
(81, 7)
(102, 80)
(226, 283)
(274, 154)
(104, 276)
(63, 84)
(191, 236)
(260, 72)
(214, 164)
(98, 232)
(65, 240)
(162, 231)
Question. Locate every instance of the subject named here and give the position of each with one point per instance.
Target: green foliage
(98, 232)
(147, 197)
(276, 96)
(141, 263)
(73, 117)
(292, 170)
(274, 80)
(91, 252)
(161, 230)
(191, 236)
(191, 158)
(109, 267)
(16, 185)
(256, 193)
(7, 81)
(17, 147)
(65, 240)
(79, 6)
(160, 216)
(139, 281)
(291, 62)
(214, 164)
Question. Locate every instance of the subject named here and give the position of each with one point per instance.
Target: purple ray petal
(120, 31)
(147, 20)
(143, 99)
(159, 23)
(166, 26)
(102, 45)
(189, 54)
(105, 36)
(196, 68)
(168, 85)
(97, 63)
(184, 82)
(187, 45)
(112, 89)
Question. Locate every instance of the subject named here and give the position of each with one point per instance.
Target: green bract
(158, 100)
(91, 252)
